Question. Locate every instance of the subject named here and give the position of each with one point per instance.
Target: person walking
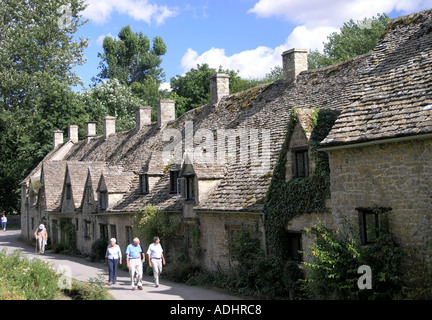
(112, 257)
(41, 236)
(3, 222)
(135, 263)
(156, 258)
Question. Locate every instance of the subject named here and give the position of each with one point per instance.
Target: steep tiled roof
(394, 97)
(53, 179)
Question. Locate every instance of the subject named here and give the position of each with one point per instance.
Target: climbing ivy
(287, 199)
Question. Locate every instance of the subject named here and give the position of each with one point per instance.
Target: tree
(193, 89)
(354, 38)
(130, 58)
(111, 99)
(37, 54)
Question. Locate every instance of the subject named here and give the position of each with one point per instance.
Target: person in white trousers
(134, 263)
(156, 258)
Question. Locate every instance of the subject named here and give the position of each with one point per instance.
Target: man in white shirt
(156, 258)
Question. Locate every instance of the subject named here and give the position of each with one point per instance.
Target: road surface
(83, 270)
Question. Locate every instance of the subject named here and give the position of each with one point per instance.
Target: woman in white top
(112, 257)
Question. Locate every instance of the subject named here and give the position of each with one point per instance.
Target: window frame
(144, 185)
(174, 175)
(68, 191)
(304, 151)
(186, 187)
(296, 236)
(103, 200)
(363, 223)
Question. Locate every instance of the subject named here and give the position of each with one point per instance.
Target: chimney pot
(294, 61)
(166, 111)
(143, 117)
(57, 138)
(219, 87)
(73, 133)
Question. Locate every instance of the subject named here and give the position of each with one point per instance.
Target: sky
(247, 36)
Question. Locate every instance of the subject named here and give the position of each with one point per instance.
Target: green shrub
(152, 222)
(94, 289)
(98, 250)
(336, 257)
(180, 272)
(21, 278)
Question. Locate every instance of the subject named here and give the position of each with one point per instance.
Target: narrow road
(83, 270)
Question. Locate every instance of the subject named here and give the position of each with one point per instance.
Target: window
(186, 187)
(103, 199)
(87, 229)
(144, 185)
(103, 231)
(173, 181)
(293, 246)
(89, 194)
(232, 231)
(370, 221)
(113, 231)
(68, 191)
(301, 167)
(129, 234)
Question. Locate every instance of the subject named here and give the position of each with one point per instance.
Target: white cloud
(165, 86)
(256, 63)
(332, 13)
(100, 39)
(100, 11)
(315, 20)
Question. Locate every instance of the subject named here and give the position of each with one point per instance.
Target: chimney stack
(219, 87)
(73, 133)
(91, 131)
(109, 126)
(143, 117)
(57, 138)
(294, 61)
(166, 111)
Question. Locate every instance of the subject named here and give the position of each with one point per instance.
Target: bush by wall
(23, 279)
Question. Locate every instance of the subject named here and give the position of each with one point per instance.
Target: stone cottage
(213, 166)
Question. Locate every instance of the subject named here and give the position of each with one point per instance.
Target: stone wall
(393, 175)
(300, 223)
(216, 229)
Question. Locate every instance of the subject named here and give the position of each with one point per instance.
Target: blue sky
(244, 35)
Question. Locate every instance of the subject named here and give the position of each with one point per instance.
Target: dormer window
(173, 181)
(186, 187)
(103, 199)
(68, 191)
(89, 194)
(301, 163)
(144, 184)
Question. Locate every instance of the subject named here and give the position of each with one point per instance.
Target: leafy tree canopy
(130, 58)
(354, 39)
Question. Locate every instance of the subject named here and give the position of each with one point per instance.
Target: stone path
(83, 270)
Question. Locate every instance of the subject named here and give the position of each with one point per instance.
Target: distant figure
(3, 222)
(134, 263)
(41, 238)
(156, 257)
(112, 257)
